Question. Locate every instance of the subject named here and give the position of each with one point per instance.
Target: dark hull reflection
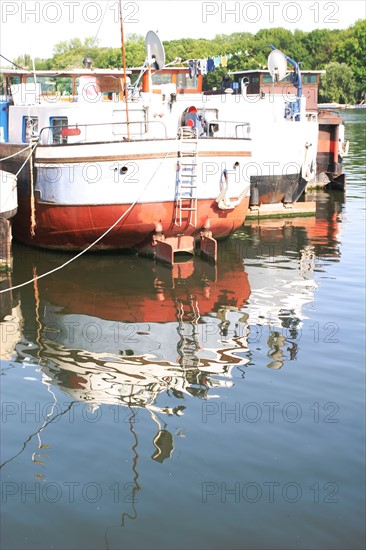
(121, 330)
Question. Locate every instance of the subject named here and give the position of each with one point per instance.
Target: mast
(125, 91)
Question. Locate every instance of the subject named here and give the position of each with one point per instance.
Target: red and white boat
(162, 169)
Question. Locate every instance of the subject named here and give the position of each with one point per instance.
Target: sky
(34, 27)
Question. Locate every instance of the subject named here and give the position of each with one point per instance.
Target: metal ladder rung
(186, 179)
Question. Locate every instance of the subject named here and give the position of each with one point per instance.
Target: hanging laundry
(210, 65)
(202, 66)
(224, 61)
(217, 61)
(193, 69)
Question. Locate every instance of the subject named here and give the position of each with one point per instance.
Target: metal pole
(125, 91)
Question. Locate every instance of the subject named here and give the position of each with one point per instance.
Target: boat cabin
(47, 101)
(257, 82)
(20, 86)
(86, 105)
(178, 80)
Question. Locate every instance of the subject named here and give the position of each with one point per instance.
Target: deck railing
(107, 131)
(136, 130)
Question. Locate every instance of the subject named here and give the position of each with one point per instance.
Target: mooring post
(6, 258)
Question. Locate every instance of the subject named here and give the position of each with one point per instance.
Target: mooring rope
(17, 153)
(27, 159)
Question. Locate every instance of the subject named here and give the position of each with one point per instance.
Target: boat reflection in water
(10, 317)
(121, 330)
(124, 331)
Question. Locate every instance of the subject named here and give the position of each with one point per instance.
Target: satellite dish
(277, 65)
(155, 53)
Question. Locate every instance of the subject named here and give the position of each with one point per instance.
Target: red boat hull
(68, 227)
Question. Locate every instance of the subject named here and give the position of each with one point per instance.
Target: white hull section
(145, 172)
(8, 192)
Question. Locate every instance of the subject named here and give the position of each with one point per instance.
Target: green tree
(337, 84)
(314, 50)
(67, 45)
(321, 45)
(108, 58)
(352, 50)
(24, 61)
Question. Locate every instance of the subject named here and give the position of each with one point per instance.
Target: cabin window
(56, 123)
(30, 128)
(268, 78)
(184, 81)
(47, 86)
(211, 114)
(309, 78)
(161, 78)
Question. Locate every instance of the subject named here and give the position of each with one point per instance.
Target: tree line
(342, 53)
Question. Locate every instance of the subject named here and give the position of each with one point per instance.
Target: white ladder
(186, 182)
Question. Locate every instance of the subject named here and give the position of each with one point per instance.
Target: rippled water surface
(196, 408)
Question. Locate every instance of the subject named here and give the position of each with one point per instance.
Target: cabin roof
(68, 73)
(266, 71)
